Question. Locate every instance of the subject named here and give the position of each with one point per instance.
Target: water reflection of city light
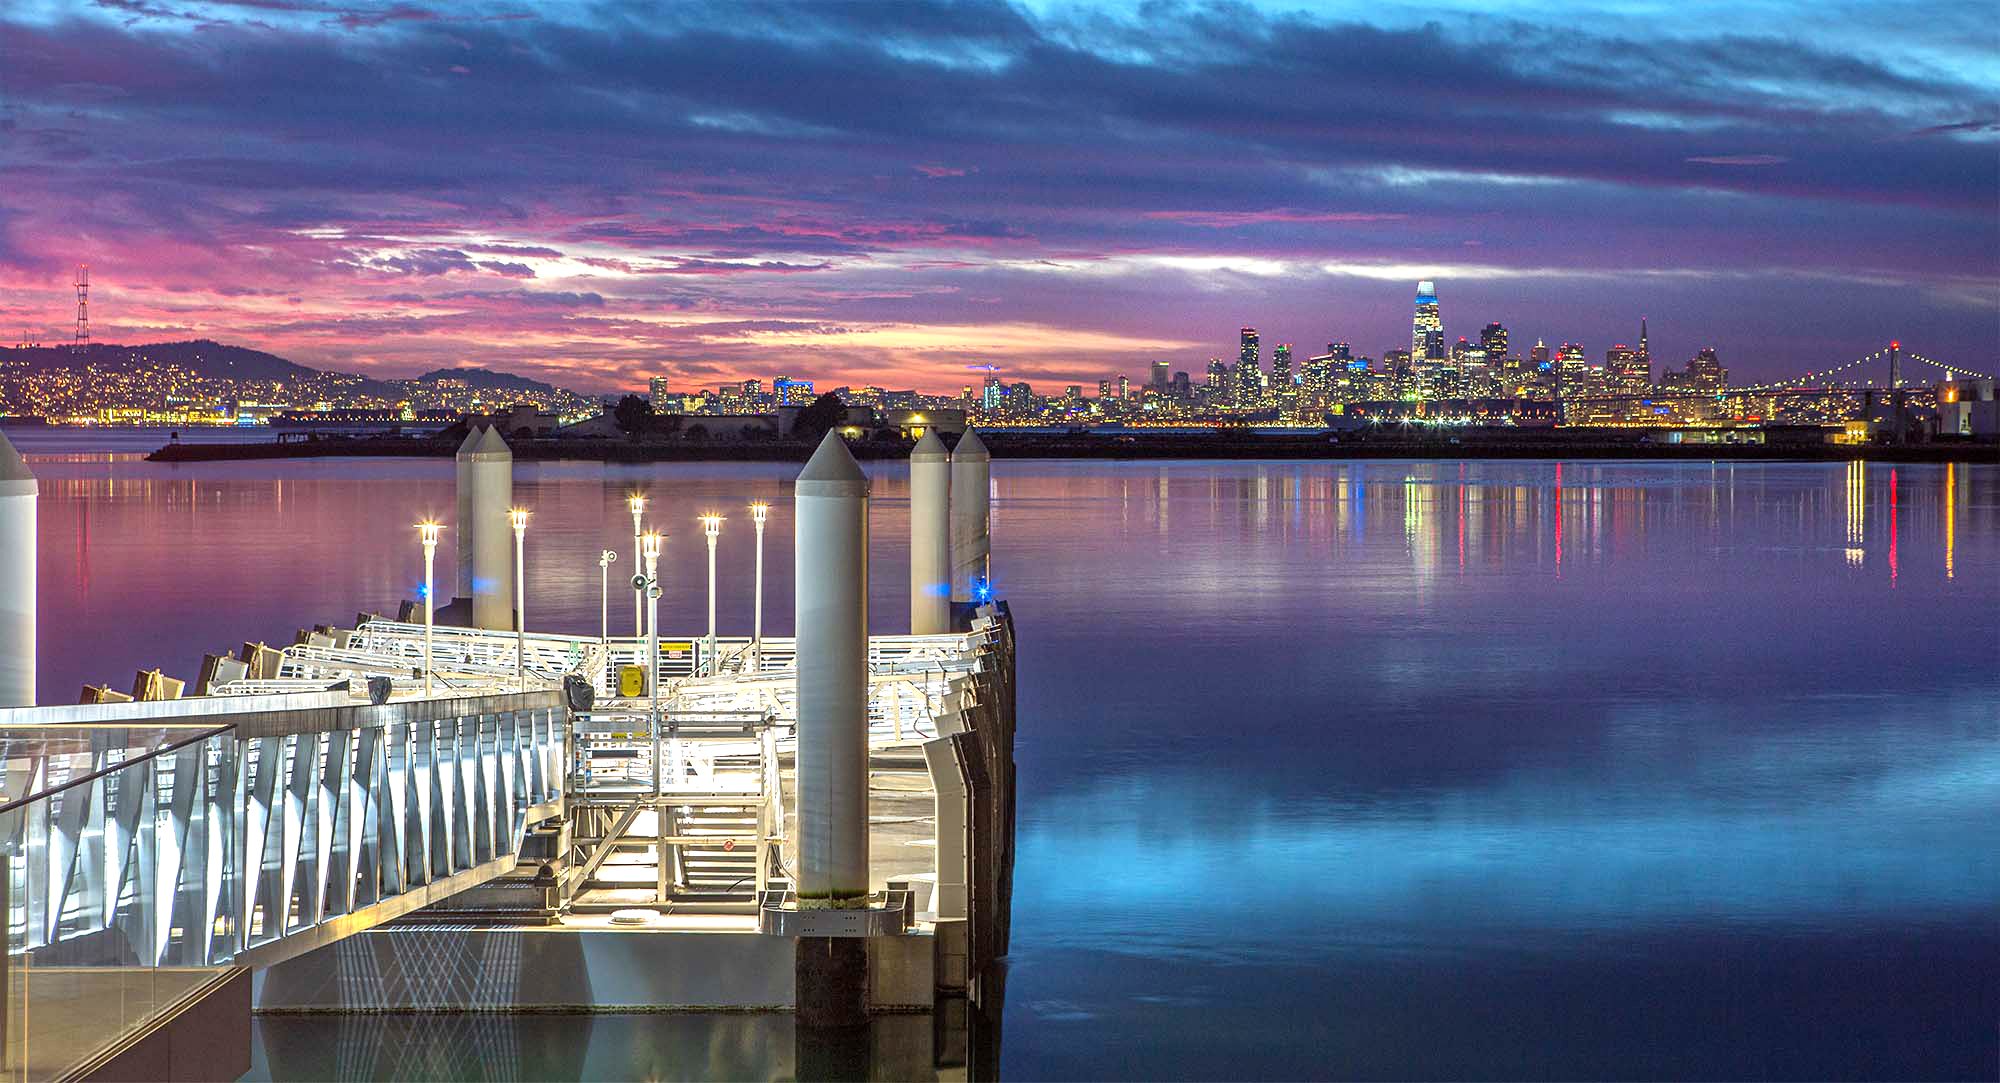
(1857, 510)
(1950, 518)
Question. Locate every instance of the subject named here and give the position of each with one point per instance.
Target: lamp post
(427, 532)
(604, 560)
(759, 511)
(637, 503)
(649, 549)
(711, 527)
(519, 518)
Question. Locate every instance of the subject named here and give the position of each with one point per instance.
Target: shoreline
(1124, 446)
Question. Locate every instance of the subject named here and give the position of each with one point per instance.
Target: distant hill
(216, 361)
(204, 357)
(484, 378)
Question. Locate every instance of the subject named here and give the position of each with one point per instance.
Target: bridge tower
(1896, 430)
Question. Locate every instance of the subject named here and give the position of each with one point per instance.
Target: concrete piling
(462, 525)
(930, 537)
(18, 496)
(971, 480)
(831, 617)
(831, 592)
(492, 538)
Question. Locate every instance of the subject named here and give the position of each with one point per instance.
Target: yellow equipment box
(631, 681)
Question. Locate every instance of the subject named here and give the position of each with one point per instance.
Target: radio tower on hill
(82, 343)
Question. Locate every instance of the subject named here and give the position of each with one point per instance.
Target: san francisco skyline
(885, 194)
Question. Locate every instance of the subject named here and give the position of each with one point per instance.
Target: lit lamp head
(711, 525)
(519, 518)
(637, 503)
(427, 532)
(649, 544)
(758, 512)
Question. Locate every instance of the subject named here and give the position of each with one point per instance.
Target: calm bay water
(1361, 770)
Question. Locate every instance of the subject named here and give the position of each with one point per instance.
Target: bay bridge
(820, 823)
(1849, 378)
(1871, 390)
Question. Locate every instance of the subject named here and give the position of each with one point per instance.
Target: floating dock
(403, 815)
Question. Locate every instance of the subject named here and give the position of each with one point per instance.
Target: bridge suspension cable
(1819, 375)
(1953, 369)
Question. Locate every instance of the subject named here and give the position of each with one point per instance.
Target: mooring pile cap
(970, 446)
(491, 446)
(15, 477)
(832, 471)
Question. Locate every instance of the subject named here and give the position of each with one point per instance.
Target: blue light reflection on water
(1492, 769)
(1369, 769)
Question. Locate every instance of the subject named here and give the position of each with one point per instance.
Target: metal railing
(270, 833)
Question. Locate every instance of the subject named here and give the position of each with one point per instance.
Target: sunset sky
(865, 193)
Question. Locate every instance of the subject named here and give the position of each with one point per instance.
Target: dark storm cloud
(908, 155)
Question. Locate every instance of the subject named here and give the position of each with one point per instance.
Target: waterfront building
(791, 392)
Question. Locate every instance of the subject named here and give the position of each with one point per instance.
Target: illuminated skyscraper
(656, 390)
(1162, 375)
(1494, 341)
(1281, 366)
(1705, 371)
(1249, 369)
(1624, 371)
(1427, 332)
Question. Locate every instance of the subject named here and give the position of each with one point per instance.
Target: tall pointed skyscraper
(1427, 332)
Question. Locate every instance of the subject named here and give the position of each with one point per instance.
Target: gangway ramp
(143, 841)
